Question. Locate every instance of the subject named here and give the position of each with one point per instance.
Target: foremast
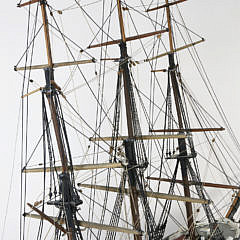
(69, 199)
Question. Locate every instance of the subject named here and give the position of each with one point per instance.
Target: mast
(234, 206)
(129, 144)
(49, 83)
(181, 142)
(183, 156)
(69, 200)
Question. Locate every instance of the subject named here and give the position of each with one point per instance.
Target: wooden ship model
(116, 156)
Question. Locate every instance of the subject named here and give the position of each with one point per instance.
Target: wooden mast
(234, 206)
(50, 100)
(67, 196)
(124, 70)
(50, 92)
(181, 142)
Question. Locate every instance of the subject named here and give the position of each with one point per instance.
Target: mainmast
(129, 144)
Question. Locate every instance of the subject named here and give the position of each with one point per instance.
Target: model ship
(123, 144)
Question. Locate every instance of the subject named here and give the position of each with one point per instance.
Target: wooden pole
(28, 3)
(75, 167)
(50, 97)
(148, 194)
(165, 5)
(64, 177)
(46, 33)
(234, 207)
(181, 142)
(124, 70)
(143, 137)
(204, 184)
(120, 16)
(49, 219)
(128, 39)
(55, 65)
(86, 224)
(174, 50)
(189, 130)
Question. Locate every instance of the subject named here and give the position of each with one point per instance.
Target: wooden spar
(165, 5)
(108, 228)
(143, 137)
(49, 219)
(109, 59)
(128, 39)
(234, 206)
(159, 70)
(148, 194)
(174, 50)
(75, 167)
(32, 92)
(28, 3)
(204, 184)
(55, 65)
(90, 225)
(188, 130)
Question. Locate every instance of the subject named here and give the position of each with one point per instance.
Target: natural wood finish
(204, 184)
(128, 39)
(55, 65)
(233, 207)
(188, 130)
(165, 5)
(32, 92)
(124, 74)
(159, 70)
(50, 97)
(46, 33)
(169, 26)
(49, 219)
(108, 228)
(28, 3)
(143, 137)
(175, 50)
(148, 194)
(181, 142)
(91, 225)
(109, 59)
(120, 16)
(75, 167)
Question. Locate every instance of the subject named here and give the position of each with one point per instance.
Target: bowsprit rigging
(118, 150)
